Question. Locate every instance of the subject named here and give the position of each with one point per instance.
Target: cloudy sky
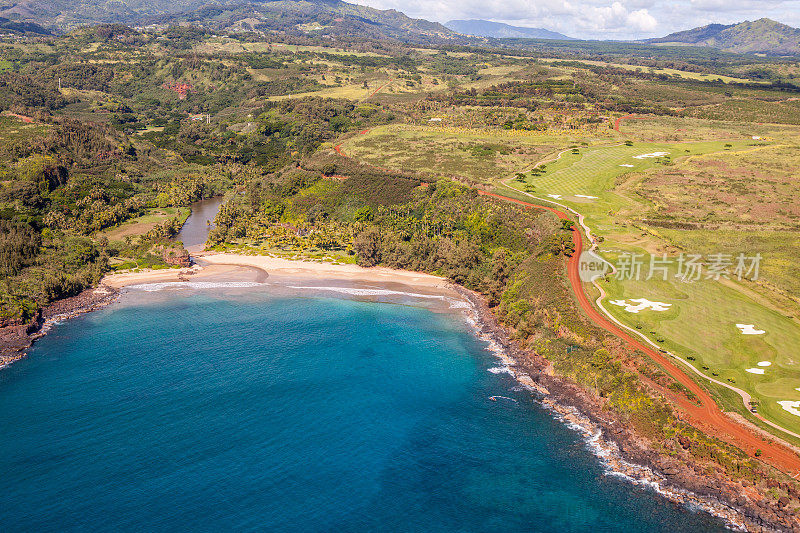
(600, 19)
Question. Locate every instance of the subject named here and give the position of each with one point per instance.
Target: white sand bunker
(556, 196)
(654, 154)
(627, 166)
(640, 304)
(792, 407)
(764, 363)
(755, 370)
(584, 196)
(750, 329)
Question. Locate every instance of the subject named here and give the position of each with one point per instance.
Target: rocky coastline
(17, 336)
(623, 452)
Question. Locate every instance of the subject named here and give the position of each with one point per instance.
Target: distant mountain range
(499, 30)
(761, 36)
(336, 17)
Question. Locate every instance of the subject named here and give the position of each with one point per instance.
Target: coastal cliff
(678, 475)
(17, 336)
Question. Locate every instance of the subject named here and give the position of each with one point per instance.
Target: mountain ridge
(63, 15)
(764, 36)
(500, 30)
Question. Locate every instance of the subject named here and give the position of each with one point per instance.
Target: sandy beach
(218, 267)
(619, 449)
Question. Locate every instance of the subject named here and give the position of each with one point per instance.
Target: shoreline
(235, 267)
(620, 451)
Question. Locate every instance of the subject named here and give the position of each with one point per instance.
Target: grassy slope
(701, 322)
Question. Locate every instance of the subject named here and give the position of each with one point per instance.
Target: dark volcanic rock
(16, 337)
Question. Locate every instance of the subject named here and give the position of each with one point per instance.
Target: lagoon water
(212, 411)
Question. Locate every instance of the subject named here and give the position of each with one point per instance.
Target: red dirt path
(708, 414)
(626, 117)
(23, 118)
(373, 93)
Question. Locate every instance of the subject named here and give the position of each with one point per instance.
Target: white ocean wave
(174, 285)
(606, 451)
(501, 370)
(370, 292)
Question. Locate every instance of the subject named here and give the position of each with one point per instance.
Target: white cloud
(600, 19)
(735, 5)
(642, 21)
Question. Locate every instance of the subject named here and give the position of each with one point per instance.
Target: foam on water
(175, 285)
(370, 292)
(606, 451)
(249, 389)
(352, 291)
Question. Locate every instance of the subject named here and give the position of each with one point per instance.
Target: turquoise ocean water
(204, 411)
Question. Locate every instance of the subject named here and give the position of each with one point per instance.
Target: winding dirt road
(626, 117)
(704, 414)
(707, 414)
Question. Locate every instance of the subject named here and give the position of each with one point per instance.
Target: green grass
(779, 249)
(701, 323)
(595, 169)
(13, 129)
(702, 320)
(143, 224)
(667, 71)
(459, 153)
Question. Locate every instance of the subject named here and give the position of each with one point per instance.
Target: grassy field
(701, 320)
(143, 224)
(479, 155)
(593, 171)
(779, 267)
(701, 323)
(745, 200)
(666, 71)
(787, 112)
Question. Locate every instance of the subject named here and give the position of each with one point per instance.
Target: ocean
(239, 409)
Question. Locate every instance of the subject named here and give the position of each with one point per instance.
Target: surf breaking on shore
(221, 271)
(605, 450)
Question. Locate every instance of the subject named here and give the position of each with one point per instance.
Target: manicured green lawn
(701, 323)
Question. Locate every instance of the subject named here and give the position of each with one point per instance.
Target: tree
(367, 246)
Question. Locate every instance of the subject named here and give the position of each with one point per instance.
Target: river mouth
(194, 232)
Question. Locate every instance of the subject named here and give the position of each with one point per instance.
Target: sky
(599, 19)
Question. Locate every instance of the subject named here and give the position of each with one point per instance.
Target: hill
(10, 26)
(342, 17)
(487, 28)
(761, 36)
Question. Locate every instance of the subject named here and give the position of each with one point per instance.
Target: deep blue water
(206, 413)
